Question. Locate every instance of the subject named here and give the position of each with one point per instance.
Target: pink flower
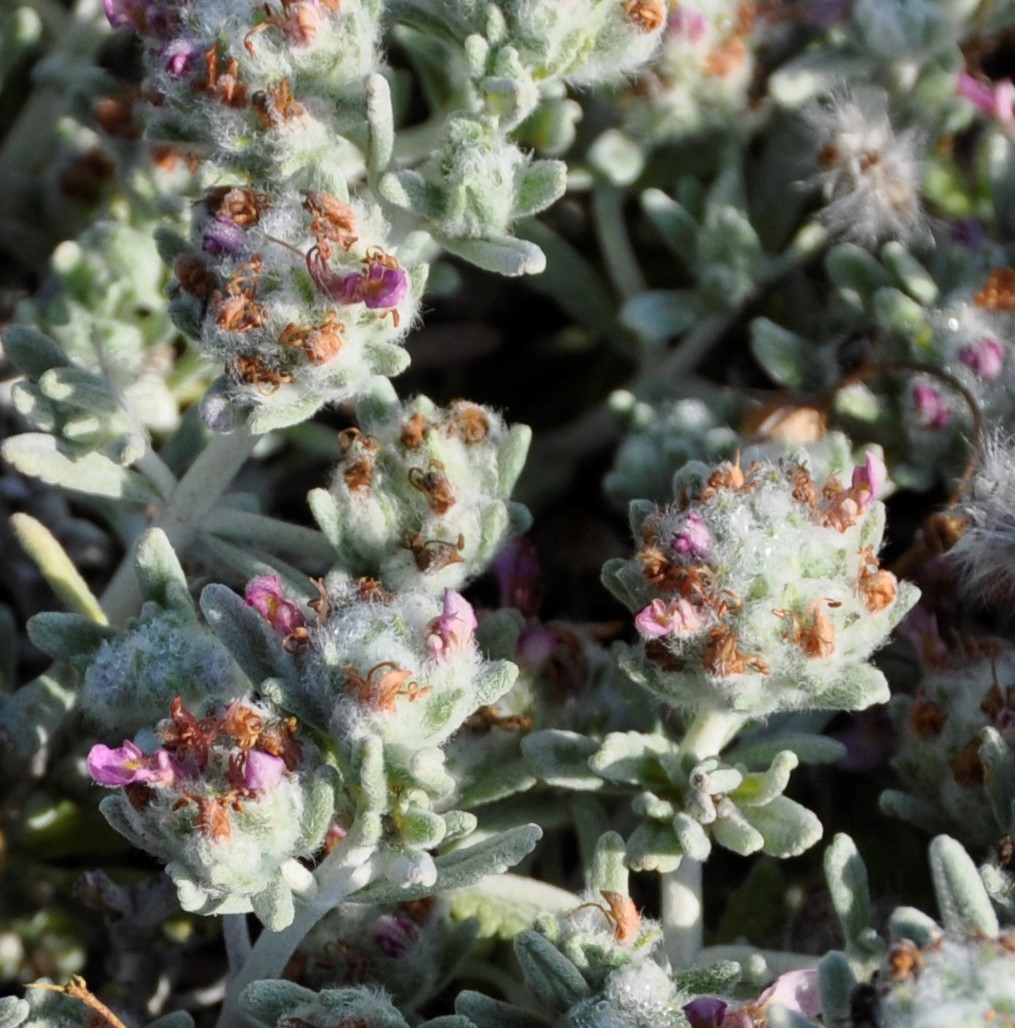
(869, 480)
(693, 537)
(261, 771)
(985, 358)
(536, 645)
(454, 629)
(264, 594)
(997, 100)
(795, 990)
(931, 407)
(395, 934)
(705, 1012)
(517, 571)
(378, 287)
(128, 764)
(660, 618)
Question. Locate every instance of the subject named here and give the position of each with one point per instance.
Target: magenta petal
(795, 990)
(264, 594)
(262, 771)
(455, 628)
(705, 1012)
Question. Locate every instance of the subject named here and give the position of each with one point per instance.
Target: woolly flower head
(760, 590)
(868, 174)
(985, 554)
(939, 739)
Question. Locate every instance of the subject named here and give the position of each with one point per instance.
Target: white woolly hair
(985, 555)
(869, 175)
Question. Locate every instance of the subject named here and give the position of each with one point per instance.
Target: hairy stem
(185, 512)
(346, 870)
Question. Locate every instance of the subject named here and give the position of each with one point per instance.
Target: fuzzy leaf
(761, 788)
(556, 983)
(462, 867)
(494, 1013)
(271, 1000)
(910, 273)
(56, 566)
(625, 581)
(56, 463)
(503, 255)
(33, 351)
(734, 833)
(63, 636)
(660, 314)
(999, 776)
(13, 1011)
(783, 355)
(381, 124)
(561, 758)
(788, 827)
(296, 408)
(507, 904)
(542, 183)
(273, 906)
(808, 748)
(629, 757)
(678, 229)
(961, 898)
(160, 574)
(653, 847)
(846, 875)
(851, 267)
(254, 646)
(913, 924)
(693, 838)
(835, 983)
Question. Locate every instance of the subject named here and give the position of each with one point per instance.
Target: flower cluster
(757, 590)
(231, 801)
(420, 497)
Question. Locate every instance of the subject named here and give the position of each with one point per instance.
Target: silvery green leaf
(511, 457)
(608, 870)
(735, 833)
(494, 1013)
(787, 827)
(760, 788)
(617, 157)
(913, 924)
(649, 805)
(961, 898)
(458, 824)
(41, 412)
(909, 273)
(692, 836)
(561, 758)
(55, 463)
(448, 1021)
(637, 512)
(171, 245)
(908, 808)
(860, 687)
(381, 124)
(56, 566)
(625, 581)
(13, 1011)
(253, 644)
(677, 228)
(899, 313)
(273, 906)
(63, 636)
(503, 255)
(387, 359)
(159, 573)
(327, 515)
(846, 875)
(785, 356)
(716, 979)
(542, 184)
(295, 408)
(835, 983)
(185, 313)
(412, 192)
(33, 351)
(661, 314)
(999, 776)
(653, 847)
(851, 267)
(272, 999)
(462, 867)
(629, 757)
(29, 717)
(810, 749)
(556, 983)
(80, 389)
(507, 904)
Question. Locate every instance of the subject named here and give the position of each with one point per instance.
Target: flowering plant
(333, 694)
